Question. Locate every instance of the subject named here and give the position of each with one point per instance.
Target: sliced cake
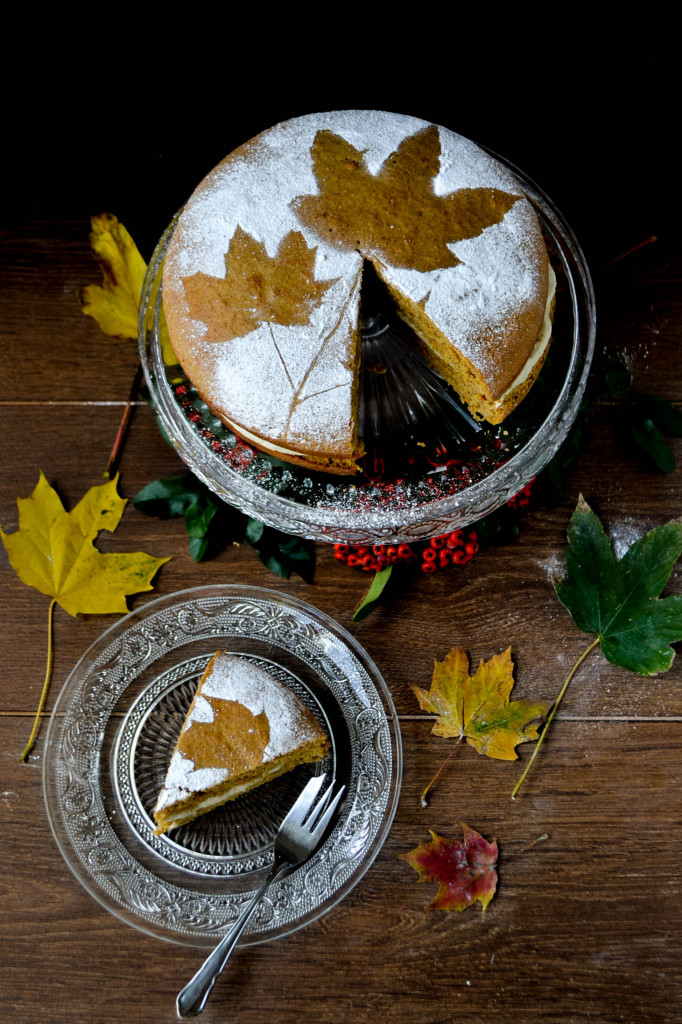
(262, 277)
(243, 728)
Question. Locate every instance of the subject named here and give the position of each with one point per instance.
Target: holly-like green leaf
(650, 441)
(617, 377)
(212, 524)
(619, 601)
(209, 521)
(281, 553)
(648, 418)
(373, 594)
(254, 530)
(662, 412)
(169, 497)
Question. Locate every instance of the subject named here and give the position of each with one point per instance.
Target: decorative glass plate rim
(410, 523)
(81, 732)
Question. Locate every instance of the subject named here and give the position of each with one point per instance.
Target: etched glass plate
(113, 731)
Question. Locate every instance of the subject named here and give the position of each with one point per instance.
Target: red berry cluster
(454, 548)
(181, 391)
(522, 499)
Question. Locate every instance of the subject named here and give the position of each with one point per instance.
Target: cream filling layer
(246, 435)
(540, 345)
(214, 801)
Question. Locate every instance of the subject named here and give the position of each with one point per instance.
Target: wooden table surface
(585, 925)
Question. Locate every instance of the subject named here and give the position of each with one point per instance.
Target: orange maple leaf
(477, 708)
(395, 216)
(465, 872)
(257, 288)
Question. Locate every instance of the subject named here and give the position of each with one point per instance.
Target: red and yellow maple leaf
(257, 288)
(395, 215)
(477, 708)
(465, 871)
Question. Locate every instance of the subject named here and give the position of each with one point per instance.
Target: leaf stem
(46, 684)
(123, 425)
(552, 713)
(528, 846)
(424, 801)
(640, 245)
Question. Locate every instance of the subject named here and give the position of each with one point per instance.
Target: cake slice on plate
(243, 728)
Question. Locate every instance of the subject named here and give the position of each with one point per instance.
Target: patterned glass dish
(113, 731)
(433, 471)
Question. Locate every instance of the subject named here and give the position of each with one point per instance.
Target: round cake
(262, 277)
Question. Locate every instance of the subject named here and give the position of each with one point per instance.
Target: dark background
(133, 130)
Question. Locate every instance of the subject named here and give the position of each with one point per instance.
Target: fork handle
(193, 998)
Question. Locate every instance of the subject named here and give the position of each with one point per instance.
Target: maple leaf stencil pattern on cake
(256, 288)
(258, 254)
(395, 215)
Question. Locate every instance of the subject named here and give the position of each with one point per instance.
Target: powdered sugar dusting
(236, 679)
(474, 301)
(623, 535)
(182, 779)
(289, 383)
(554, 567)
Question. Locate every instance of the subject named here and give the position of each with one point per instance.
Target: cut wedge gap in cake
(262, 277)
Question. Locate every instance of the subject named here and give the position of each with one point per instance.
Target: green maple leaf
(619, 601)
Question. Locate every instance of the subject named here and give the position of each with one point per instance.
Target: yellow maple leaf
(477, 708)
(115, 304)
(53, 551)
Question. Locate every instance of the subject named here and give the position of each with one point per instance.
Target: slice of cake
(262, 277)
(243, 728)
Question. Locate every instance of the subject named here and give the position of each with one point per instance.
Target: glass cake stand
(436, 471)
(112, 734)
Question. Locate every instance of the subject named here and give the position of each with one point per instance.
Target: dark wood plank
(52, 351)
(585, 925)
(504, 596)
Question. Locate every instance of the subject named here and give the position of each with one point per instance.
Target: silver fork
(298, 836)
